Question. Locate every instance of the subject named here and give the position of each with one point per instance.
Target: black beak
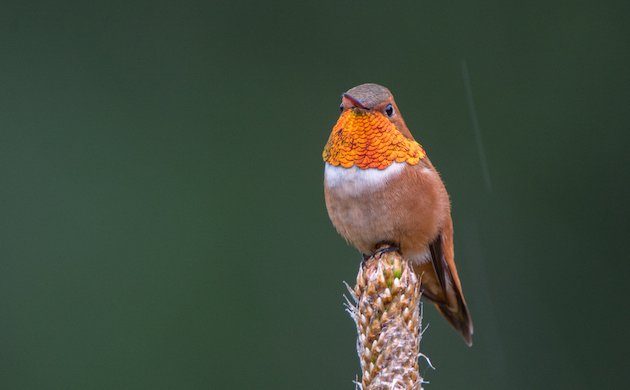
(354, 101)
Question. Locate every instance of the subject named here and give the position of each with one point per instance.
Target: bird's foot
(382, 248)
(386, 247)
(364, 259)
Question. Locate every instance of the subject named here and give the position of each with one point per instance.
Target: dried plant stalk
(386, 311)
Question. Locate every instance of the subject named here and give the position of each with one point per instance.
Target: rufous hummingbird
(381, 189)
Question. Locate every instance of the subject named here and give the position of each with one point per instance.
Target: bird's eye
(389, 110)
(341, 107)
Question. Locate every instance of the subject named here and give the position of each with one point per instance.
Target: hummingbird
(382, 191)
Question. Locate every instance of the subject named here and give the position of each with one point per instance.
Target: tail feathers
(448, 300)
(458, 317)
(442, 285)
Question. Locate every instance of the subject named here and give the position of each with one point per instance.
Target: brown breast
(402, 204)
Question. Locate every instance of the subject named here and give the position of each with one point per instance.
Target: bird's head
(370, 132)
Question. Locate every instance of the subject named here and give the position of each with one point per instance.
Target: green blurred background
(163, 222)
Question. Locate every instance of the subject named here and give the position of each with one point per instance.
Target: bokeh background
(162, 217)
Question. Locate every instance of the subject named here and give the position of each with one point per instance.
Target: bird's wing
(443, 287)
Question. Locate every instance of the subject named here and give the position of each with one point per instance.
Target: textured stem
(386, 311)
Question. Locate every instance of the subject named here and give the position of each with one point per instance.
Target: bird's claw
(386, 248)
